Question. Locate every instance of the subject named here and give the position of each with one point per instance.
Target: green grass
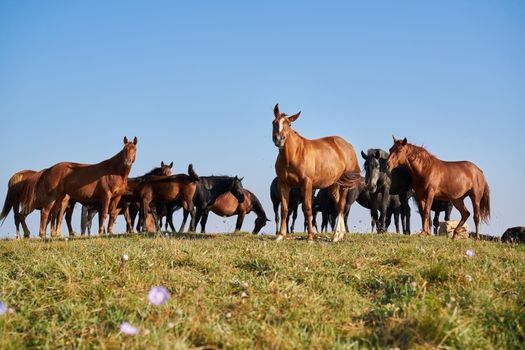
(242, 291)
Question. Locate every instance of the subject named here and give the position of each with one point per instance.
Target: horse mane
(420, 154)
(153, 171)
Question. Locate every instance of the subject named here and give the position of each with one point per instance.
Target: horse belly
(225, 205)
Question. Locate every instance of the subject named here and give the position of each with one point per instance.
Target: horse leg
(191, 210)
(184, 218)
(307, 209)
(44, 217)
(426, 212)
(169, 217)
(407, 212)
(276, 212)
(203, 220)
(91, 214)
(59, 208)
(285, 193)
(460, 205)
(294, 211)
(339, 196)
(103, 212)
(69, 216)
(129, 224)
(240, 220)
(436, 222)
(17, 225)
(476, 207)
(385, 199)
(396, 219)
(113, 213)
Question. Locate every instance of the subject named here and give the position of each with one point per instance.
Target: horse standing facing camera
(328, 162)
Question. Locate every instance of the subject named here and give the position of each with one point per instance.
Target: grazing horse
(379, 183)
(434, 178)
(175, 189)
(328, 162)
(101, 183)
(228, 205)
(296, 198)
(129, 199)
(209, 189)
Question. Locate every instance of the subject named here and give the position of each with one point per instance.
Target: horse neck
(293, 145)
(418, 161)
(219, 187)
(257, 206)
(113, 166)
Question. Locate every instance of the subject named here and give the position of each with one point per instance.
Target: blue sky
(197, 82)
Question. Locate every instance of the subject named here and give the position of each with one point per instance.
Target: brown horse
(102, 183)
(176, 189)
(328, 162)
(227, 205)
(15, 187)
(434, 178)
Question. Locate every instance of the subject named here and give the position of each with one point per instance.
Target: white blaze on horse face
(281, 121)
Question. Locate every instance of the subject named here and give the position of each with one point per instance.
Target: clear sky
(196, 81)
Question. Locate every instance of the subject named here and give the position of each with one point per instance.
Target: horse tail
(351, 179)
(484, 205)
(193, 175)
(9, 201)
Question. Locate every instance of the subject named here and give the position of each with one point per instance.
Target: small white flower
(228, 315)
(128, 329)
(245, 284)
(470, 253)
(468, 278)
(125, 257)
(171, 325)
(413, 285)
(244, 295)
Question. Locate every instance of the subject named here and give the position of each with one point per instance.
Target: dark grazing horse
(208, 190)
(434, 178)
(295, 198)
(129, 202)
(328, 162)
(227, 205)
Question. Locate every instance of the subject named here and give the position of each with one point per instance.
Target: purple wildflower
(470, 253)
(158, 295)
(3, 308)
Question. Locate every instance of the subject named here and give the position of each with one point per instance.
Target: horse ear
(377, 154)
(363, 154)
(126, 140)
(171, 165)
(242, 178)
(394, 138)
(404, 141)
(276, 112)
(162, 163)
(135, 140)
(294, 117)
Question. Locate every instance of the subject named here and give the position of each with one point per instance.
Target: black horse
(209, 188)
(295, 198)
(386, 197)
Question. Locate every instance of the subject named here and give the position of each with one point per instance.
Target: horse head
(372, 168)
(398, 153)
(260, 222)
(281, 126)
(236, 189)
(129, 151)
(165, 169)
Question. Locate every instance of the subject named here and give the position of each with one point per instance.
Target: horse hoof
(310, 241)
(279, 238)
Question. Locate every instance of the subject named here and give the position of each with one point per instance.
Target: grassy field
(242, 291)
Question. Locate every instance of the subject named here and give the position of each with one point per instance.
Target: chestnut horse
(16, 186)
(228, 205)
(328, 162)
(102, 183)
(176, 189)
(434, 178)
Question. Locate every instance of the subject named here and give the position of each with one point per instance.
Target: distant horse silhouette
(227, 205)
(434, 178)
(101, 183)
(209, 189)
(328, 162)
(130, 198)
(175, 189)
(295, 198)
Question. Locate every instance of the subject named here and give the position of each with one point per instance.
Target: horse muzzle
(128, 162)
(279, 141)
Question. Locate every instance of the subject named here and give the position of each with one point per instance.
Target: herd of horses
(329, 164)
